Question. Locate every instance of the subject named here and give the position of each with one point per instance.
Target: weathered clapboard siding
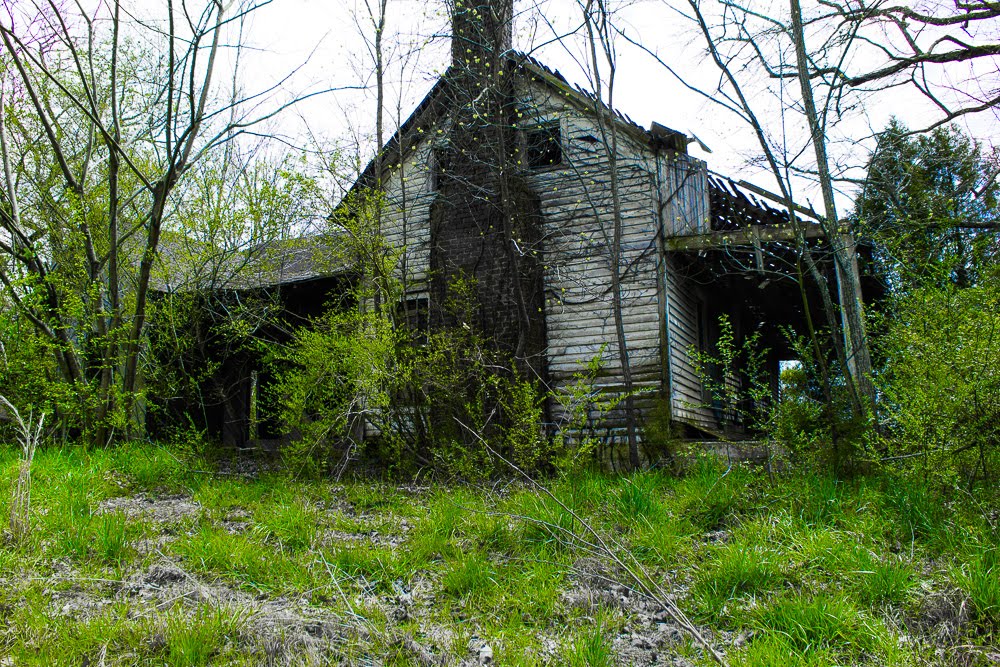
(405, 225)
(577, 202)
(578, 210)
(686, 388)
(683, 193)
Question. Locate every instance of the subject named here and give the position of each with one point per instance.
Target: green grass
(882, 581)
(366, 497)
(979, 577)
(294, 523)
(638, 497)
(808, 571)
(202, 637)
(177, 637)
(222, 496)
(248, 560)
(375, 568)
(545, 523)
(469, 574)
(736, 570)
(113, 538)
(591, 648)
(819, 623)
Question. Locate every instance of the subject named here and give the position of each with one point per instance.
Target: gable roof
(435, 105)
(732, 205)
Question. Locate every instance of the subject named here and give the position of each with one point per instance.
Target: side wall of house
(665, 314)
(409, 195)
(683, 194)
(686, 307)
(578, 211)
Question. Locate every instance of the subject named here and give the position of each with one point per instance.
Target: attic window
(544, 148)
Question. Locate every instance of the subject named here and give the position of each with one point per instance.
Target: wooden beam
(780, 200)
(748, 236)
(758, 253)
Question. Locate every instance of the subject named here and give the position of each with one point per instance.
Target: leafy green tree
(28, 374)
(930, 205)
(104, 117)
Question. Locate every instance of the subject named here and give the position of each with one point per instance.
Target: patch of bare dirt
(650, 636)
(160, 509)
(941, 617)
(237, 521)
(284, 631)
(941, 623)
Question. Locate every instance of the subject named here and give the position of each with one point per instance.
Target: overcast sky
(322, 38)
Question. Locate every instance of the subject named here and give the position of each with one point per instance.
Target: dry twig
(29, 434)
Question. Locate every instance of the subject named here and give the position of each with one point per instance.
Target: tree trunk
(609, 136)
(858, 354)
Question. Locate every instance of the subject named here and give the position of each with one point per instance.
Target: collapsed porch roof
(742, 215)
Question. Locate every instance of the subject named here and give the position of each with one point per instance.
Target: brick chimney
(485, 221)
(482, 31)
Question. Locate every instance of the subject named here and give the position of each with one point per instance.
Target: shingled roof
(187, 264)
(435, 104)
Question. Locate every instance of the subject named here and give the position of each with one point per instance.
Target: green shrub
(661, 435)
(329, 379)
(941, 382)
(814, 419)
(581, 407)
(446, 400)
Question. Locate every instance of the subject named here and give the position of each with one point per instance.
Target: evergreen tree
(930, 206)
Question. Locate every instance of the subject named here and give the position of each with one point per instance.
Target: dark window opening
(702, 324)
(544, 148)
(414, 314)
(436, 162)
(706, 333)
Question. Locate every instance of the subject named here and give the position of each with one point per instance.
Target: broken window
(436, 160)
(544, 148)
(414, 313)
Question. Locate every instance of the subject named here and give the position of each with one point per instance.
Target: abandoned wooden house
(522, 186)
(508, 176)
